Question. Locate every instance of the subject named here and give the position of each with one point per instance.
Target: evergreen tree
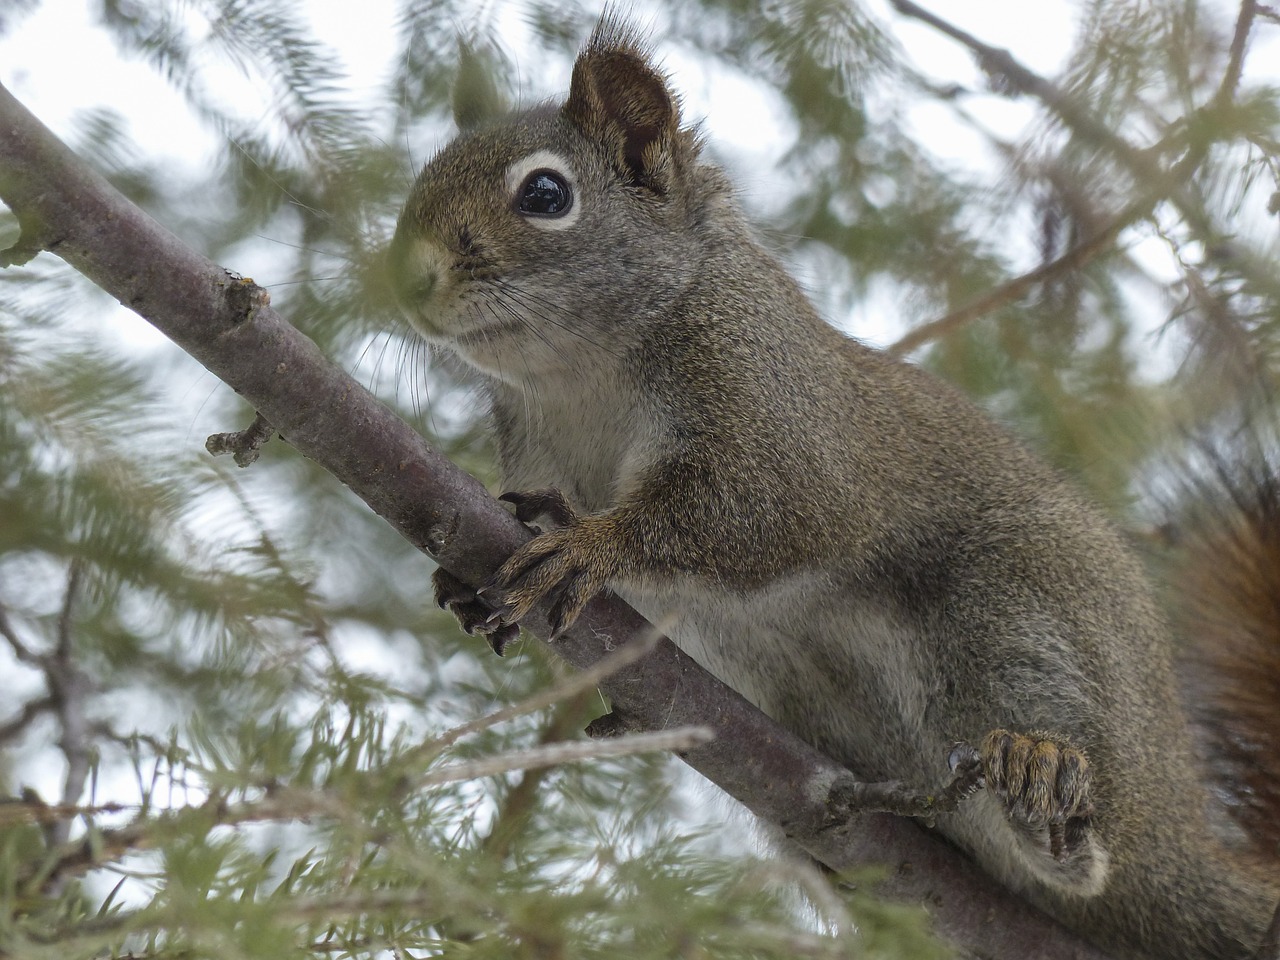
(234, 725)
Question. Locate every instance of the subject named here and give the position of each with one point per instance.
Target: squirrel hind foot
(1044, 784)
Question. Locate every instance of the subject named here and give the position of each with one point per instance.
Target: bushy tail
(1226, 597)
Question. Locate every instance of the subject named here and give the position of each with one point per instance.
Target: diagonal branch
(31, 711)
(1235, 57)
(227, 324)
(1013, 76)
(1142, 164)
(1158, 183)
(1017, 288)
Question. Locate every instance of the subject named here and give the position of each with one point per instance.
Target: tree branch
(1157, 182)
(227, 324)
(1001, 66)
(20, 649)
(69, 688)
(30, 712)
(1235, 57)
(1017, 288)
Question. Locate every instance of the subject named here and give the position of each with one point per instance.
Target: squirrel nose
(414, 289)
(413, 277)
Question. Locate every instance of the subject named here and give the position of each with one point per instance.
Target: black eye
(544, 194)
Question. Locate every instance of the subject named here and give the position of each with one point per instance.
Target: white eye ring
(519, 172)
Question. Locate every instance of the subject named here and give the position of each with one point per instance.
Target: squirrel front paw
(1044, 783)
(474, 615)
(567, 565)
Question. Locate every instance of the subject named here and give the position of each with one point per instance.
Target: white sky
(59, 63)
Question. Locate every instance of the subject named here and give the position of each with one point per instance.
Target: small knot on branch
(243, 444)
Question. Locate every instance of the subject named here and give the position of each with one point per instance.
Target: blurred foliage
(237, 675)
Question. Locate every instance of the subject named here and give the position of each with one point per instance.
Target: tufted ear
(621, 100)
(476, 97)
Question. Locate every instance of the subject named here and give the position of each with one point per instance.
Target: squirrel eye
(544, 194)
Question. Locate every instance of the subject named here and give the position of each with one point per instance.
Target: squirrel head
(535, 238)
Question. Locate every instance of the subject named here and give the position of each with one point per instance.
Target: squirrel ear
(476, 97)
(620, 99)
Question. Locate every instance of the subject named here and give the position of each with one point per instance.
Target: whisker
(596, 387)
(304, 248)
(323, 214)
(499, 303)
(527, 299)
(294, 283)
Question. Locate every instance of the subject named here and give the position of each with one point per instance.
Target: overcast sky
(59, 63)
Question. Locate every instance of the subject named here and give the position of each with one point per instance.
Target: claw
(1043, 781)
(474, 615)
(561, 569)
(1058, 840)
(502, 637)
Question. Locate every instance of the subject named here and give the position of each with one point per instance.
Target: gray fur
(838, 535)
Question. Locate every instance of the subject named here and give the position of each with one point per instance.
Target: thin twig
(1161, 183)
(33, 811)
(553, 754)
(92, 850)
(20, 650)
(1075, 258)
(69, 688)
(1235, 58)
(244, 445)
(1002, 64)
(31, 711)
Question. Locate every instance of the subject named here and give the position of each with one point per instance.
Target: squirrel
(833, 532)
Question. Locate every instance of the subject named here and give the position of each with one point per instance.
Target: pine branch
(226, 323)
(68, 687)
(280, 804)
(1156, 182)
(1074, 259)
(1013, 77)
(518, 805)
